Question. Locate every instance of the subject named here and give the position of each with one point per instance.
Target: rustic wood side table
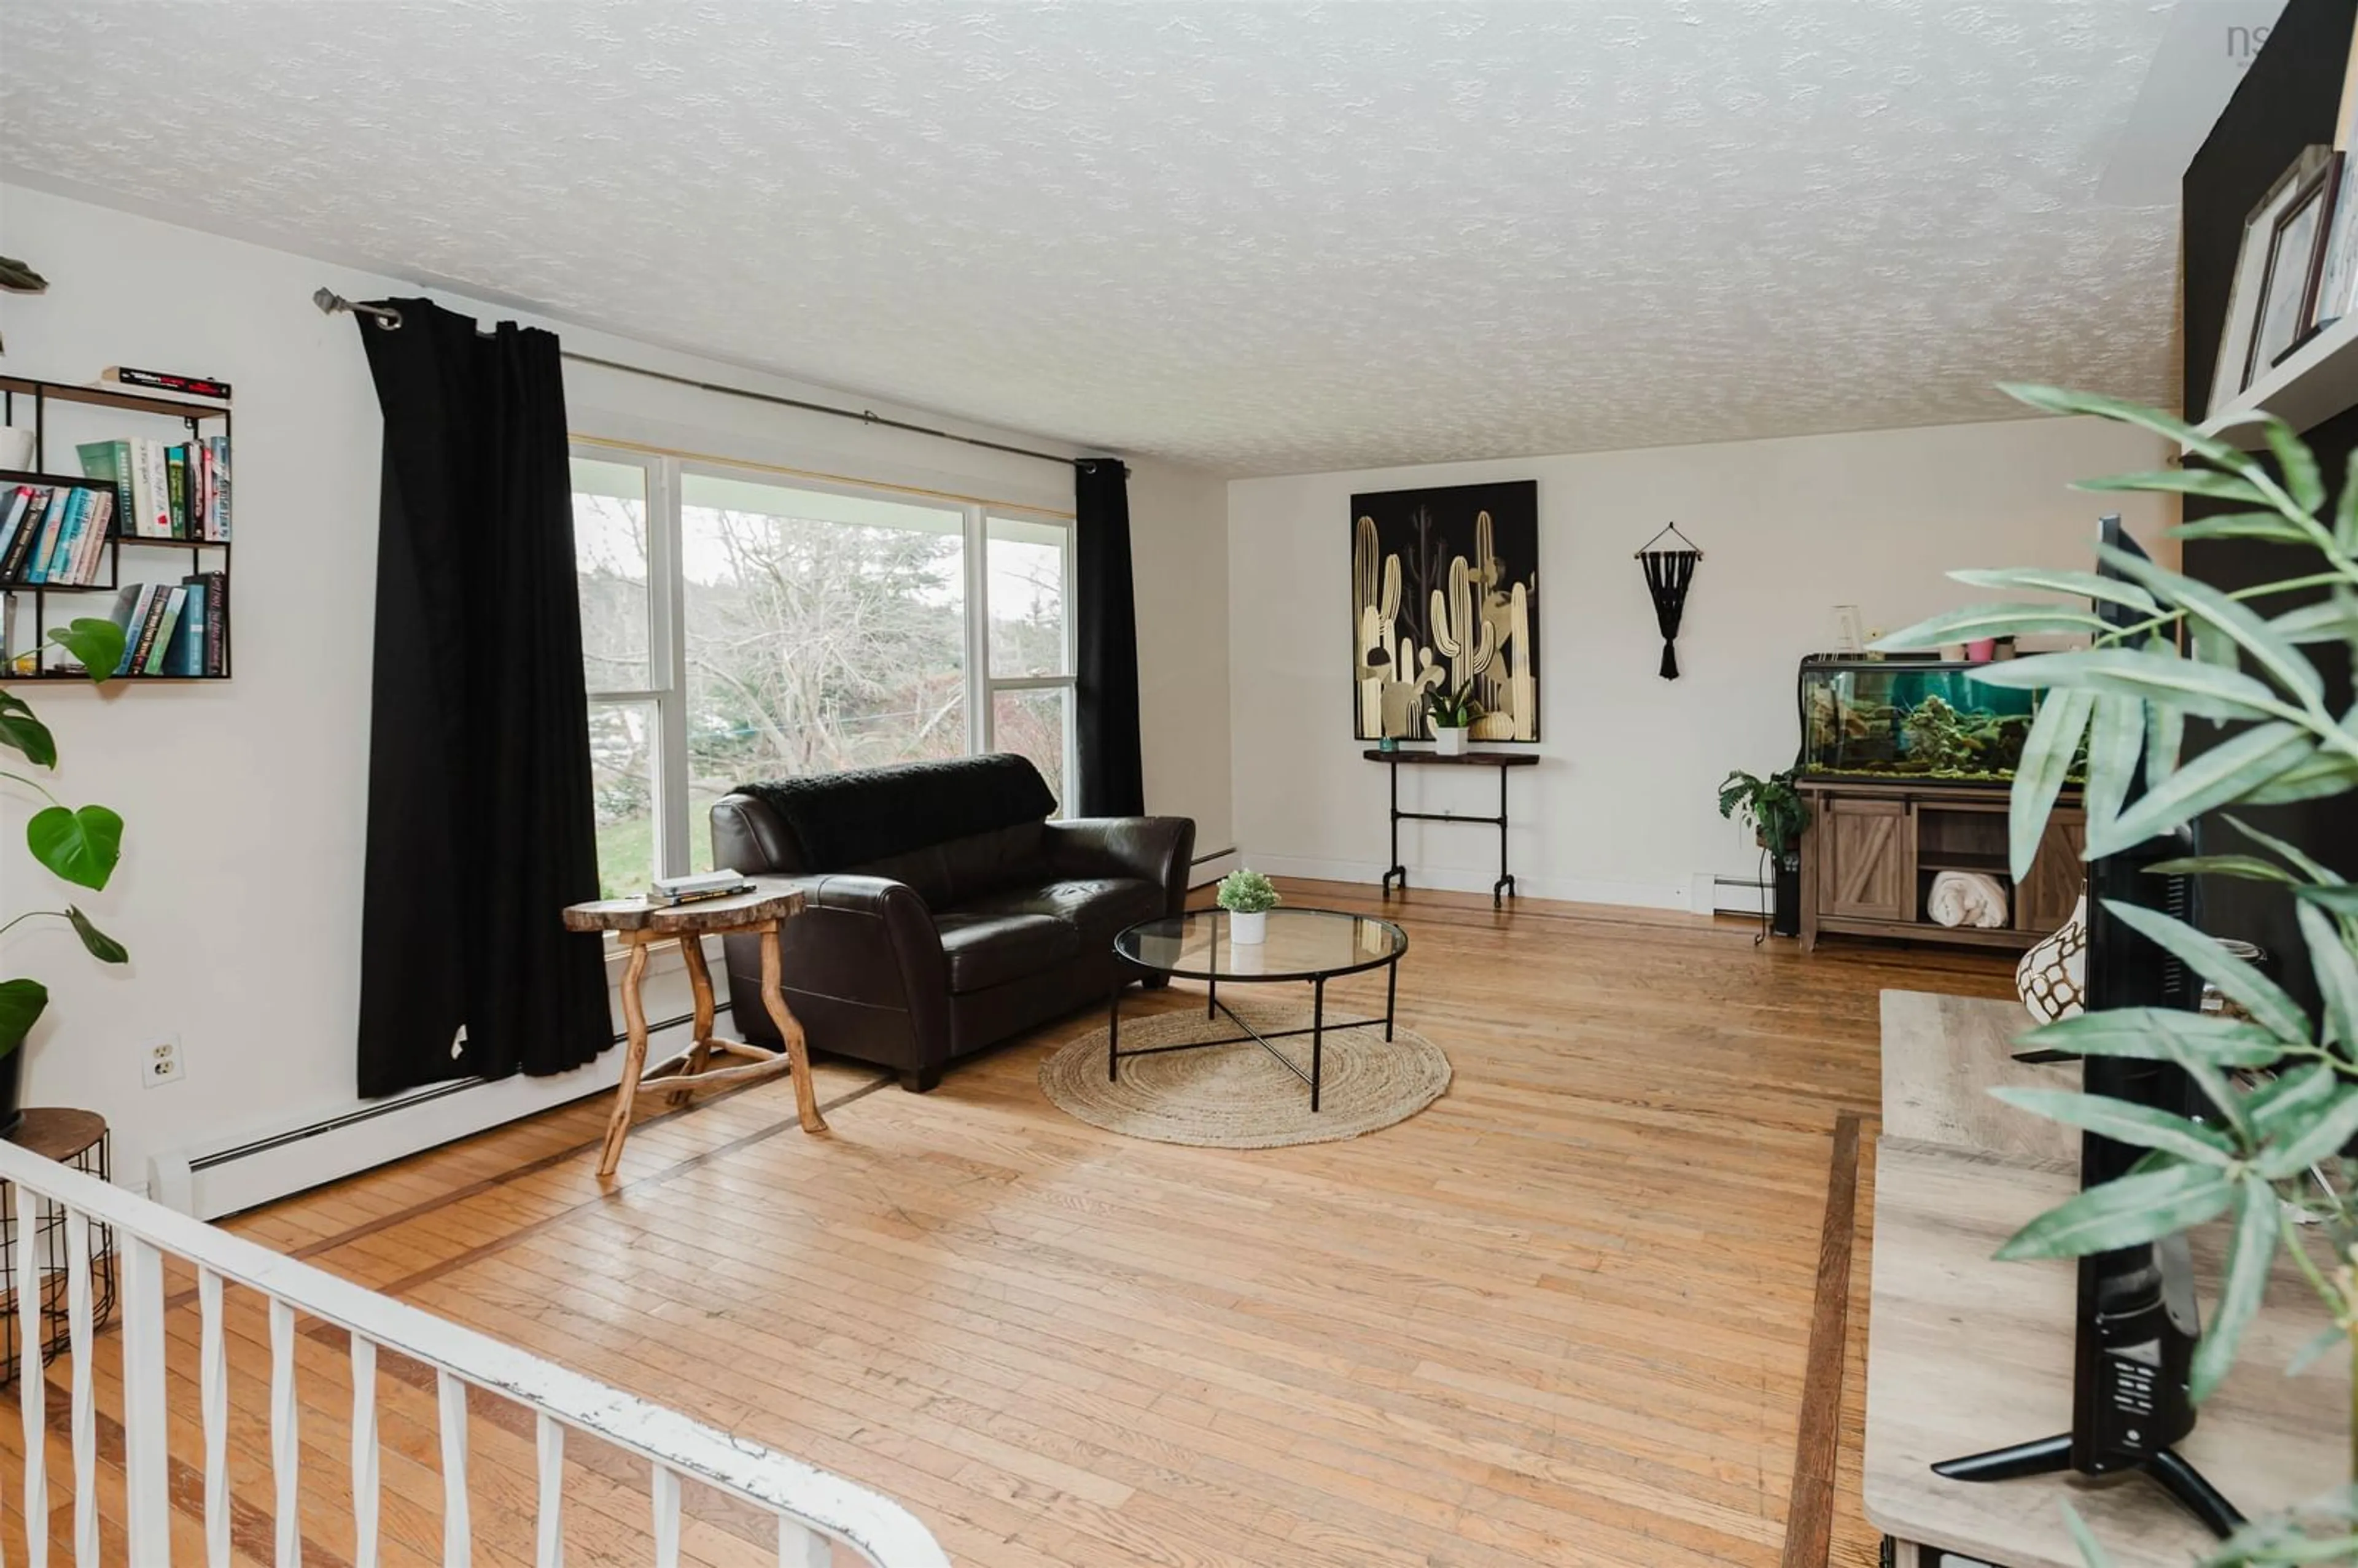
(640, 924)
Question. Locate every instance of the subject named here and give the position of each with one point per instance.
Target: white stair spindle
(146, 1473)
(549, 1553)
(212, 1357)
(32, 1388)
(364, 1482)
(457, 1535)
(84, 1341)
(285, 1446)
(667, 1499)
(802, 1548)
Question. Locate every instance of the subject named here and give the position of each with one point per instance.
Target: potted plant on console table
(1450, 714)
(1776, 812)
(1248, 896)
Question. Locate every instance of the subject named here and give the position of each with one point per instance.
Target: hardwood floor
(1563, 1316)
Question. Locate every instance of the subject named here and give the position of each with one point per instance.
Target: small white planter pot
(1449, 743)
(1248, 930)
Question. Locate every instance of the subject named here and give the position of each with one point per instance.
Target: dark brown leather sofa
(944, 911)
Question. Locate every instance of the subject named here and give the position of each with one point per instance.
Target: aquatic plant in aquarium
(1908, 719)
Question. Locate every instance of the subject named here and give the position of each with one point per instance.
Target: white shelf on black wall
(2307, 387)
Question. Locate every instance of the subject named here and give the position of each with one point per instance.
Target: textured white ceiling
(1263, 238)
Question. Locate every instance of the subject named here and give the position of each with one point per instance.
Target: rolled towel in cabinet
(1967, 898)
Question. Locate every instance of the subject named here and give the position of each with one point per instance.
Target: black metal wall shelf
(203, 553)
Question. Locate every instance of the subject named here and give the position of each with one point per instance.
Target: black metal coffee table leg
(1392, 996)
(1211, 999)
(1113, 1035)
(1317, 1038)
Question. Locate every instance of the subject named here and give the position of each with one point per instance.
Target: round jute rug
(1234, 1096)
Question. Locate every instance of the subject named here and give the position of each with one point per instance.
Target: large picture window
(739, 626)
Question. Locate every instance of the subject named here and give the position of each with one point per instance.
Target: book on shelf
(217, 488)
(174, 628)
(166, 381)
(187, 654)
(54, 535)
(17, 528)
(176, 482)
(165, 490)
(216, 586)
(53, 556)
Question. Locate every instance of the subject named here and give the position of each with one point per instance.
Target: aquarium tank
(1904, 718)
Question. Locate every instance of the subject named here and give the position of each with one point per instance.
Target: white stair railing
(813, 1507)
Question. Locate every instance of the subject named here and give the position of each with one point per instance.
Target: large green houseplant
(1776, 815)
(2283, 1086)
(79, 844)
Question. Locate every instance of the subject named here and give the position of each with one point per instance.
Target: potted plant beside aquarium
(1776, 812)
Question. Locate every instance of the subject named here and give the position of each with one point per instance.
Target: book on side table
(698, 886)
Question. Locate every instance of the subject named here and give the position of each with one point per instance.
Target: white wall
(1623, 810)
(240, 889)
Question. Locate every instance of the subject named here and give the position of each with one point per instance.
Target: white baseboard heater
(1210, 867)
(1738, 895)
(211, 1182)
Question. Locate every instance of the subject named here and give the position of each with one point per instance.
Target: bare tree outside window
(816, 645)
(737, 628)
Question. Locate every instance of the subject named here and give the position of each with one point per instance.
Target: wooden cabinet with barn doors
(1872, 853)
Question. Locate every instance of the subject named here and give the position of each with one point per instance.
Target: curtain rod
(329, 302)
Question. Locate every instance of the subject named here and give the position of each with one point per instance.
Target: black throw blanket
(853, 819)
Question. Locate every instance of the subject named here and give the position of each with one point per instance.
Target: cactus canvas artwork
(1444, 591)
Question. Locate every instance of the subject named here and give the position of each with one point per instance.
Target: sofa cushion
(1096, 907)
(989, 948)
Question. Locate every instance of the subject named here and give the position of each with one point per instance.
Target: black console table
(1504, 888)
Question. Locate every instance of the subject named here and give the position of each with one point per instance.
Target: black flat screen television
(2138, 1317)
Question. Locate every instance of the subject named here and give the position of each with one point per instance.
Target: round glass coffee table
(1313, 945)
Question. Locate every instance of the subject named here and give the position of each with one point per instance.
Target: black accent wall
(2289, 99)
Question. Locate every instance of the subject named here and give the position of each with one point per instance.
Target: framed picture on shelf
(2237, 362)
(2337, 281)
(2288, 285)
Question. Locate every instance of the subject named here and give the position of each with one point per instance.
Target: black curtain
(1112, 781)
(480, 827)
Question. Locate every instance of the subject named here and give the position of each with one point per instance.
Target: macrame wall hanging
(1667, 573)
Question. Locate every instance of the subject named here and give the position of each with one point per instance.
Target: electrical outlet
(163, 1062)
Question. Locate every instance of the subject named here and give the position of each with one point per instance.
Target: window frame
(983, 738)
(665, 692)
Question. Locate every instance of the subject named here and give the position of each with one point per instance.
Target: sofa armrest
(748, 836)
(888, 918)
(1160, 849)
(863, 967)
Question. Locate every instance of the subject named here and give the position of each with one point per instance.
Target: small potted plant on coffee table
(1451, 715)
(1248, 896)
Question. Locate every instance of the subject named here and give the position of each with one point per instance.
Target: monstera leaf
(97, 943)
(96, 643)
(21, 1002)
(82, 845)
(27, 734)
